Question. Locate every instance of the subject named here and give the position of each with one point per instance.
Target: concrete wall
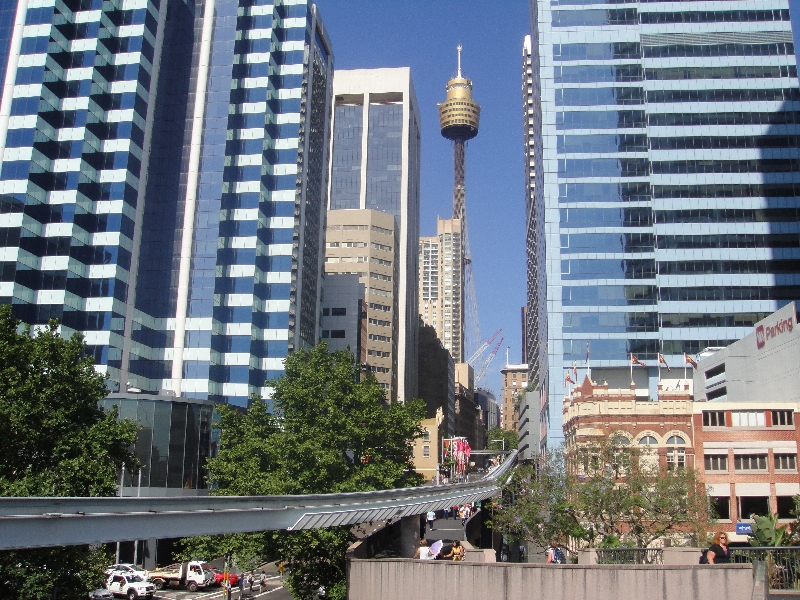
(402, 579)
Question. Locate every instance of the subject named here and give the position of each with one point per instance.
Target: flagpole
(631, 358)
(684, 365)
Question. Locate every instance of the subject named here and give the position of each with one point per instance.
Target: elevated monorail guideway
(44, 522)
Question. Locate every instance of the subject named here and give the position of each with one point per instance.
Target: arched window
(648, 440)
(676, 455)
(620, 440)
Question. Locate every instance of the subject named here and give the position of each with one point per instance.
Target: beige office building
(441, 293)
(374, 184)
(514, 383)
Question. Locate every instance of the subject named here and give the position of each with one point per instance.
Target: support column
(409, 536)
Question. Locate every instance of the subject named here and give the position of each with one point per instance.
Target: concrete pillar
(409, 536)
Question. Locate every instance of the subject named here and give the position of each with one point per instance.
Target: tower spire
(459, 59)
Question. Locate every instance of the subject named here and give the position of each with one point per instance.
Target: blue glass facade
(163, 185)
(666, 170)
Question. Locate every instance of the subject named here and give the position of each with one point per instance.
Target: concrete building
(437, 379)
(663, 180)
(375, 166)
(164, 184)
(440, 291)
(364, 243)
(467, 412)
(426, 449)
(490, 412)
(513, 384)
(344, 317)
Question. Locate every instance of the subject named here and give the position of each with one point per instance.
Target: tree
(326, 431)
(497, 433)
(57, 442)
(604, 493)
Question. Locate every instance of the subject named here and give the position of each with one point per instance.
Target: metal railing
(783, 564)
(630, 556)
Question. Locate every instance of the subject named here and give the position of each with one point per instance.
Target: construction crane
(477, 354)
(482, 373)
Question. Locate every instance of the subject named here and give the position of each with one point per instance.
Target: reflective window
(767, 165)
(604, 167)
(596, 51)
(604, 192)
(584, 96)
(384, 160)
(732, 72)
(738, 118)
(599, 73)
(686, 50)
(610, 322)
(583, 18)
(608, 269)
(346, 158)
(648, 440)
(607, 242)
(606, 217)
(722, 95)
(723, 142)
(707, 16)
(621, 119)
(577, 144)
(608, 295)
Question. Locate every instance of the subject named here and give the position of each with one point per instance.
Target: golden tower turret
(459, 114)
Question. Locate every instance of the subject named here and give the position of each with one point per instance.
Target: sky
(423, 35)
(368, 34)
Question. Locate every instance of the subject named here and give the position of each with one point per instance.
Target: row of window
(644, 216)
(746, 418)
(750, 462)
(598, 268)
(631, 295)
(630, 16)
(623, 50)
(634, 95)
(639, 142)
(636, 72)
(644, 322)
(638, 119)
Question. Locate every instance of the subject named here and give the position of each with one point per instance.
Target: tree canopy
(325, 431)
(57, 442)
(496, 436)
(604, 494)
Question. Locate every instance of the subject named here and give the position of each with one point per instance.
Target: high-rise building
(663, 159)
(163, 184)
(440, 291)
(514, 381)
(437, 379)
(375, 166)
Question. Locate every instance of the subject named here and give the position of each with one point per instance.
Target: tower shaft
(459, 189)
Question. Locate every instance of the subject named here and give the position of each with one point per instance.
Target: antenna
(459, 59)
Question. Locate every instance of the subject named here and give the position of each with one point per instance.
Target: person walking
(262, 582)
(228, 589)
(719, 553)
(431, 518)
(250, 580)
(242, 577)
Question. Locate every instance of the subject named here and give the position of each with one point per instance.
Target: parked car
(101, 594)
(131, 586)
(127, 569)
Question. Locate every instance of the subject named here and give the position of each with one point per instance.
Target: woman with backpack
(555, 555)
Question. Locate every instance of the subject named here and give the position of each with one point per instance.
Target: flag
(568, 379)
(689, 360)
(663, 361)
(575, 369)
(636, 361)
(587, 353)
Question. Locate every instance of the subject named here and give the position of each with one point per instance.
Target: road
(273, 590)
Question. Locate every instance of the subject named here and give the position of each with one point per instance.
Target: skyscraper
(163, 184)
(375, 166)
(664, 157)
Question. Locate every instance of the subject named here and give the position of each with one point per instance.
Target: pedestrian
(455, 512)
(464, 515)
(718, 553)
(555, 555)
(262, 583)
(431, 519)
(521, 553)
(457, 553)
(228, 587)
(423, 552)
(241, 584)
(250, 579)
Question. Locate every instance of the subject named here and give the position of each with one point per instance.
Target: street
(273, 590)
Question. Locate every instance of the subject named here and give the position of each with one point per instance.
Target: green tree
(497, 433)
(326, 431)
(57, 442)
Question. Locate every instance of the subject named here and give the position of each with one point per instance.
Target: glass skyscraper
(163, 184)
(665, 183)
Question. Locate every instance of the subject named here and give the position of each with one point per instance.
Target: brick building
(514, 382)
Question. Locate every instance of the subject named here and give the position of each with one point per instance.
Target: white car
(127, 569)
(131, 586)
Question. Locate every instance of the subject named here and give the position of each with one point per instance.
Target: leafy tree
(328, 431)
(497, 433)
(606, 493)
(57, 442)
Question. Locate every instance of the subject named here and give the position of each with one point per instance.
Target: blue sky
(423, 36)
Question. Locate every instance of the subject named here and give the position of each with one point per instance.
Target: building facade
(365, 243)
(663, 153)
(440, 290)
(375, 166)
(490, 412)
(468, 422)
(436, 385)
(426, 448)
(344, 316)
(164, 176)
(514, 381)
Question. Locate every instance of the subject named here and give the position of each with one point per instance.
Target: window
(676, 457)
(753, 505)
(786, 462)
(782, 418)
(721, 505)
(326, 333)
(785, 507)
(337, 333)
(426, 451)
(326, 312)
(750, 462)
(718, 394)
(338, 312)
(426, 435)
(648, 440)
(620, 440)
(713, 418)
(714, 371)
(715, 462)
(747, 418)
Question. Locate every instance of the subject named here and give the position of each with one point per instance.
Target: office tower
(163, 185)
(364, 243)
(513, 384)
(375, 166)
(344, 316)
(664, 152)
(459, 116)
(440, 276)
(437, 379)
